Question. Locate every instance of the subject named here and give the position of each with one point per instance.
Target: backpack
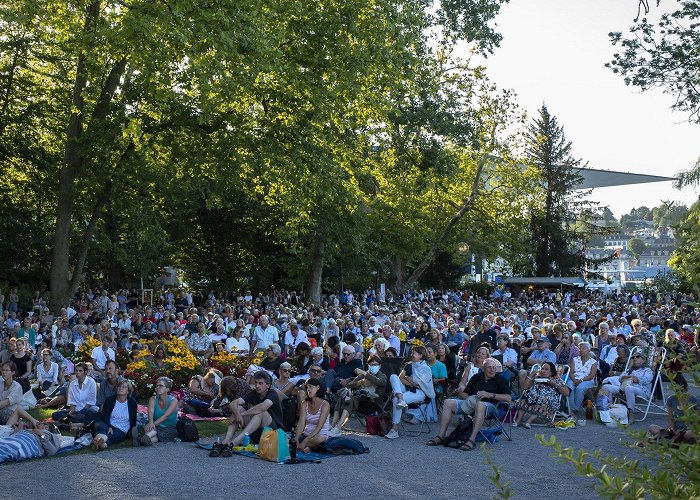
(187, 430)
(460, 434)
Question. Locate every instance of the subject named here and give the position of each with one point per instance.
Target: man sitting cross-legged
(484, 390)
(263, 410)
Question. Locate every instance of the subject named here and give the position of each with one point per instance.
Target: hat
(687, 327)
(544, 339)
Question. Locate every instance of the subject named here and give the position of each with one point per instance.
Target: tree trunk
(313, 282)
(64, 281)
(113, 269)
(442, 238)
(398, 275)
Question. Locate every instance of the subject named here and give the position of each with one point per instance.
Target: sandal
(215, 450)
(436, 441)
(468, 445)
(226, 450)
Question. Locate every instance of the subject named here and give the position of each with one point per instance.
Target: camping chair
(424, 427)
(655, 357)
(493, 423)
(389, 367)
(564, 412)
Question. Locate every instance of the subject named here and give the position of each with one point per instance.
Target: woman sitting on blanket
(541, 395)
(270, 363)
(359, 394)
(230, 389)
(200, 392)
(162, 414)
(117, 418)
(312, 427)
(10, 392)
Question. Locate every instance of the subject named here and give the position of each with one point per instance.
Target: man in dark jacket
(344, 371)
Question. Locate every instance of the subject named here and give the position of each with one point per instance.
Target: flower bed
(180, 365)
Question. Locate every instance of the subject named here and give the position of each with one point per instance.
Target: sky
(554, 52)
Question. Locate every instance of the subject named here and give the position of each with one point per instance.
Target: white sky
(554, 51)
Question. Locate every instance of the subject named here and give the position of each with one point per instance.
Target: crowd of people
(422, 355)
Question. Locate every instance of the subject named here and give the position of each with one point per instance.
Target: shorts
(468, 406)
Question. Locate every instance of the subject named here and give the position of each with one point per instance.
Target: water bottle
(246, 440)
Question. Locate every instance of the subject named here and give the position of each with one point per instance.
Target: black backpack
(187, 430)
(460, 434)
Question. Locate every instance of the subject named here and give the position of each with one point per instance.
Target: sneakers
(146, 441)
(135, 438)
(334, 432)
(401, 404)
(392, 434)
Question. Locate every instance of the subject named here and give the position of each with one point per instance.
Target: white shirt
(289, 339)
(100, 358)
(47, 376)
(82, 396)
(264, 338)
(232, 344)
(120, 416)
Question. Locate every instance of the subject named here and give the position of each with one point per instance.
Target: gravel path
(403, 468)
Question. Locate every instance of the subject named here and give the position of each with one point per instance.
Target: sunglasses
(636, 356)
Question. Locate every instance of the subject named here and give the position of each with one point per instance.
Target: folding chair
(424, 427)
(389, 367)
(496, 420)
(655, 357)
(564, 412)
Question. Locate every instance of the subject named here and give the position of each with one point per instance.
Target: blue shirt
(544, 355)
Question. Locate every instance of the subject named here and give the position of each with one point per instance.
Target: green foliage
(636, 246)
(665, 54)
(227, 139)
(504, 490)
(685, 260)
(669, 214)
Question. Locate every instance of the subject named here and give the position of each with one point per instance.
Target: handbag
(273, 445)
(372, 425)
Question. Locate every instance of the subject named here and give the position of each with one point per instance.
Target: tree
(669, 214)
(636, 246)
(685, 260)
(665, 54)
(558, 243)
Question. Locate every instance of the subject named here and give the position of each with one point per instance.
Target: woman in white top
(118, 417)
(238, 344)
(482, 354)
(582, 370)
(47, 371)
(508, 355)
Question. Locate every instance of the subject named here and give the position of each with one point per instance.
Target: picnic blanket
(312, 457)
(180, 413)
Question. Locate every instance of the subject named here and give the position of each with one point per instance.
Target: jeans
(90, 414)
(409, 397)
(117, 435)
(578, 393)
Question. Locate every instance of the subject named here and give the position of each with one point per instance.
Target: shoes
(334, 432)
(414, 421)
(135, 438)
(527, 426)
(514, 424)
(402, 404)
(392, 434)
(146, 441)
